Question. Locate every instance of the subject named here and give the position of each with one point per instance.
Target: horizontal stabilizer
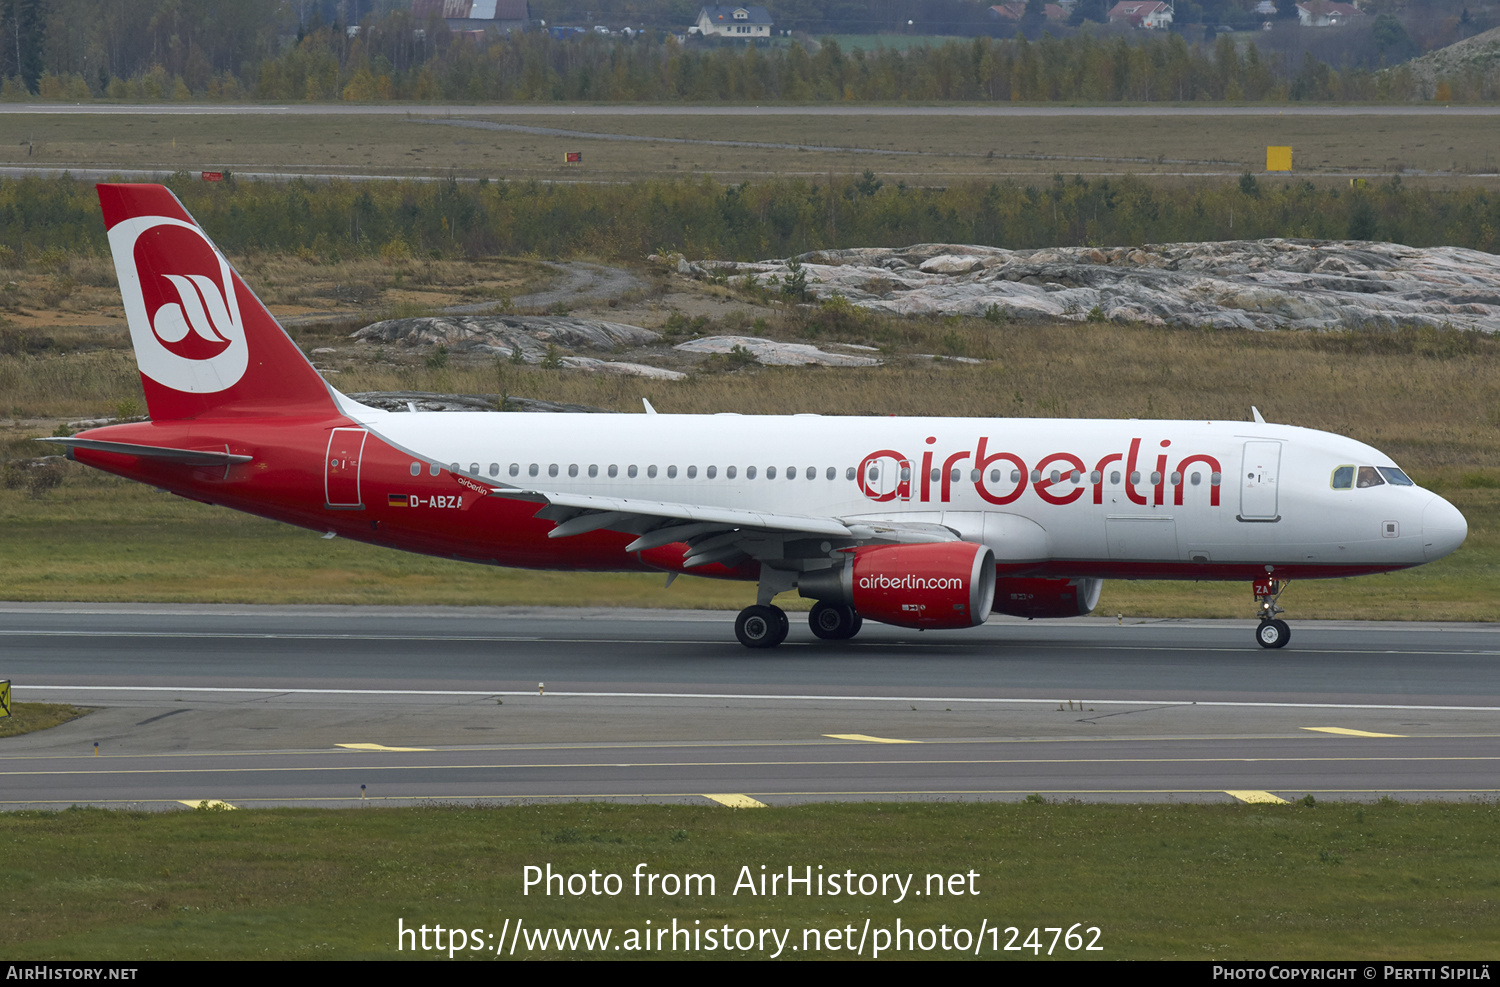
(191, 457)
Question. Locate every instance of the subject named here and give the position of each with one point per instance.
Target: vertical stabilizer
(205, 345)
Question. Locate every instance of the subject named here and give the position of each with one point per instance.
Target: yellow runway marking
(868, 739)
(1346, 732)
(379, 747)
(1257, 797)
(207, 804)
(737, 801)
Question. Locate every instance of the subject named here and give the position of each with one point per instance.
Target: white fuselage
(1204, 492)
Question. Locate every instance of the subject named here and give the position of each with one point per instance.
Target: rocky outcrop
(536, 338)
(504, 334)
(1250, 284)
(1476, 56)
(774, 354)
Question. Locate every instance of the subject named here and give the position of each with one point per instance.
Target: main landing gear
(761, 626)
(1272, 632)
(766, 626)
(834, 622)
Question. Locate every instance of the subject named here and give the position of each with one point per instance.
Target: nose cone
(1443, 529)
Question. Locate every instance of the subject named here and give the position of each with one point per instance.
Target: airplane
(927, 523)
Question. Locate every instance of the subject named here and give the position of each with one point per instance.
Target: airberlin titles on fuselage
(1058, 478)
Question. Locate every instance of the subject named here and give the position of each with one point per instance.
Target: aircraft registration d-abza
(925, 523)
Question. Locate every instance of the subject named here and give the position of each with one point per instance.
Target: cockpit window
(1368, 477)
(1394, 475)
(1343, 478)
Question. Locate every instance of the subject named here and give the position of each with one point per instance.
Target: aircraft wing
(713, 534)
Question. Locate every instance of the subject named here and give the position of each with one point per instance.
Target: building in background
(502, 16)
(733, 23)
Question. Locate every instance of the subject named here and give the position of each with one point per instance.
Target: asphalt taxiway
(335, 705)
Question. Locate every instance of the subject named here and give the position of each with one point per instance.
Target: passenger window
(434, 469)
(833, 473)
(632, 471)
(671, 472)
(614, 471)
(713, 471)
(692, 472)
(533, 469)
(416, 469)
(1343, 478)
(749, 472)
(1368, 477)
(593, 470)
(494, 469)
(474, 468)
(770, 472)
(651, 472)
(1114, 477)
(729, 472)
(573, 469)
(552, 470)
(515, 469)
(848, 473)
(791, 472)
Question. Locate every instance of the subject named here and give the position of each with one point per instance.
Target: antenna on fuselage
(649, 410)
(1256, 413)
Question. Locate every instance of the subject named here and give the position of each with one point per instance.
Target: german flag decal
(396, 500)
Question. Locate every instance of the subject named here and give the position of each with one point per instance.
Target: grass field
(1370, 882)
(944, 147)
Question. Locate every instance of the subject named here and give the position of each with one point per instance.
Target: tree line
(43, 220)
(146, 50)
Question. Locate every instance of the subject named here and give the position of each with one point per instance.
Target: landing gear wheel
(1273, 634)
(833, 622)
(761, 626)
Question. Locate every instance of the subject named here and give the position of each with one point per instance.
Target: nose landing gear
(1272, 632)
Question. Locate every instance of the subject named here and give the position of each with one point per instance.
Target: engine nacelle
(939, 585)
(1037, 597)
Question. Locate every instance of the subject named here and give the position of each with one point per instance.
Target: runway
(338, 705)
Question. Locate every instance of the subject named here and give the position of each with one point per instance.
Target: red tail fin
(205, 345)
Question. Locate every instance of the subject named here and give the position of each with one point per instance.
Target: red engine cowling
(1036, 597)
(940, 585)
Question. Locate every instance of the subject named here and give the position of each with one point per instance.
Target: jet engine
(939, 585)
(1038, 597)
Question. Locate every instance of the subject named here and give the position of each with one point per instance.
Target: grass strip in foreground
(1373, 881)
(27, 717)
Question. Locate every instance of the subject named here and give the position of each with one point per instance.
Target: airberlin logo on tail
(180, 301)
